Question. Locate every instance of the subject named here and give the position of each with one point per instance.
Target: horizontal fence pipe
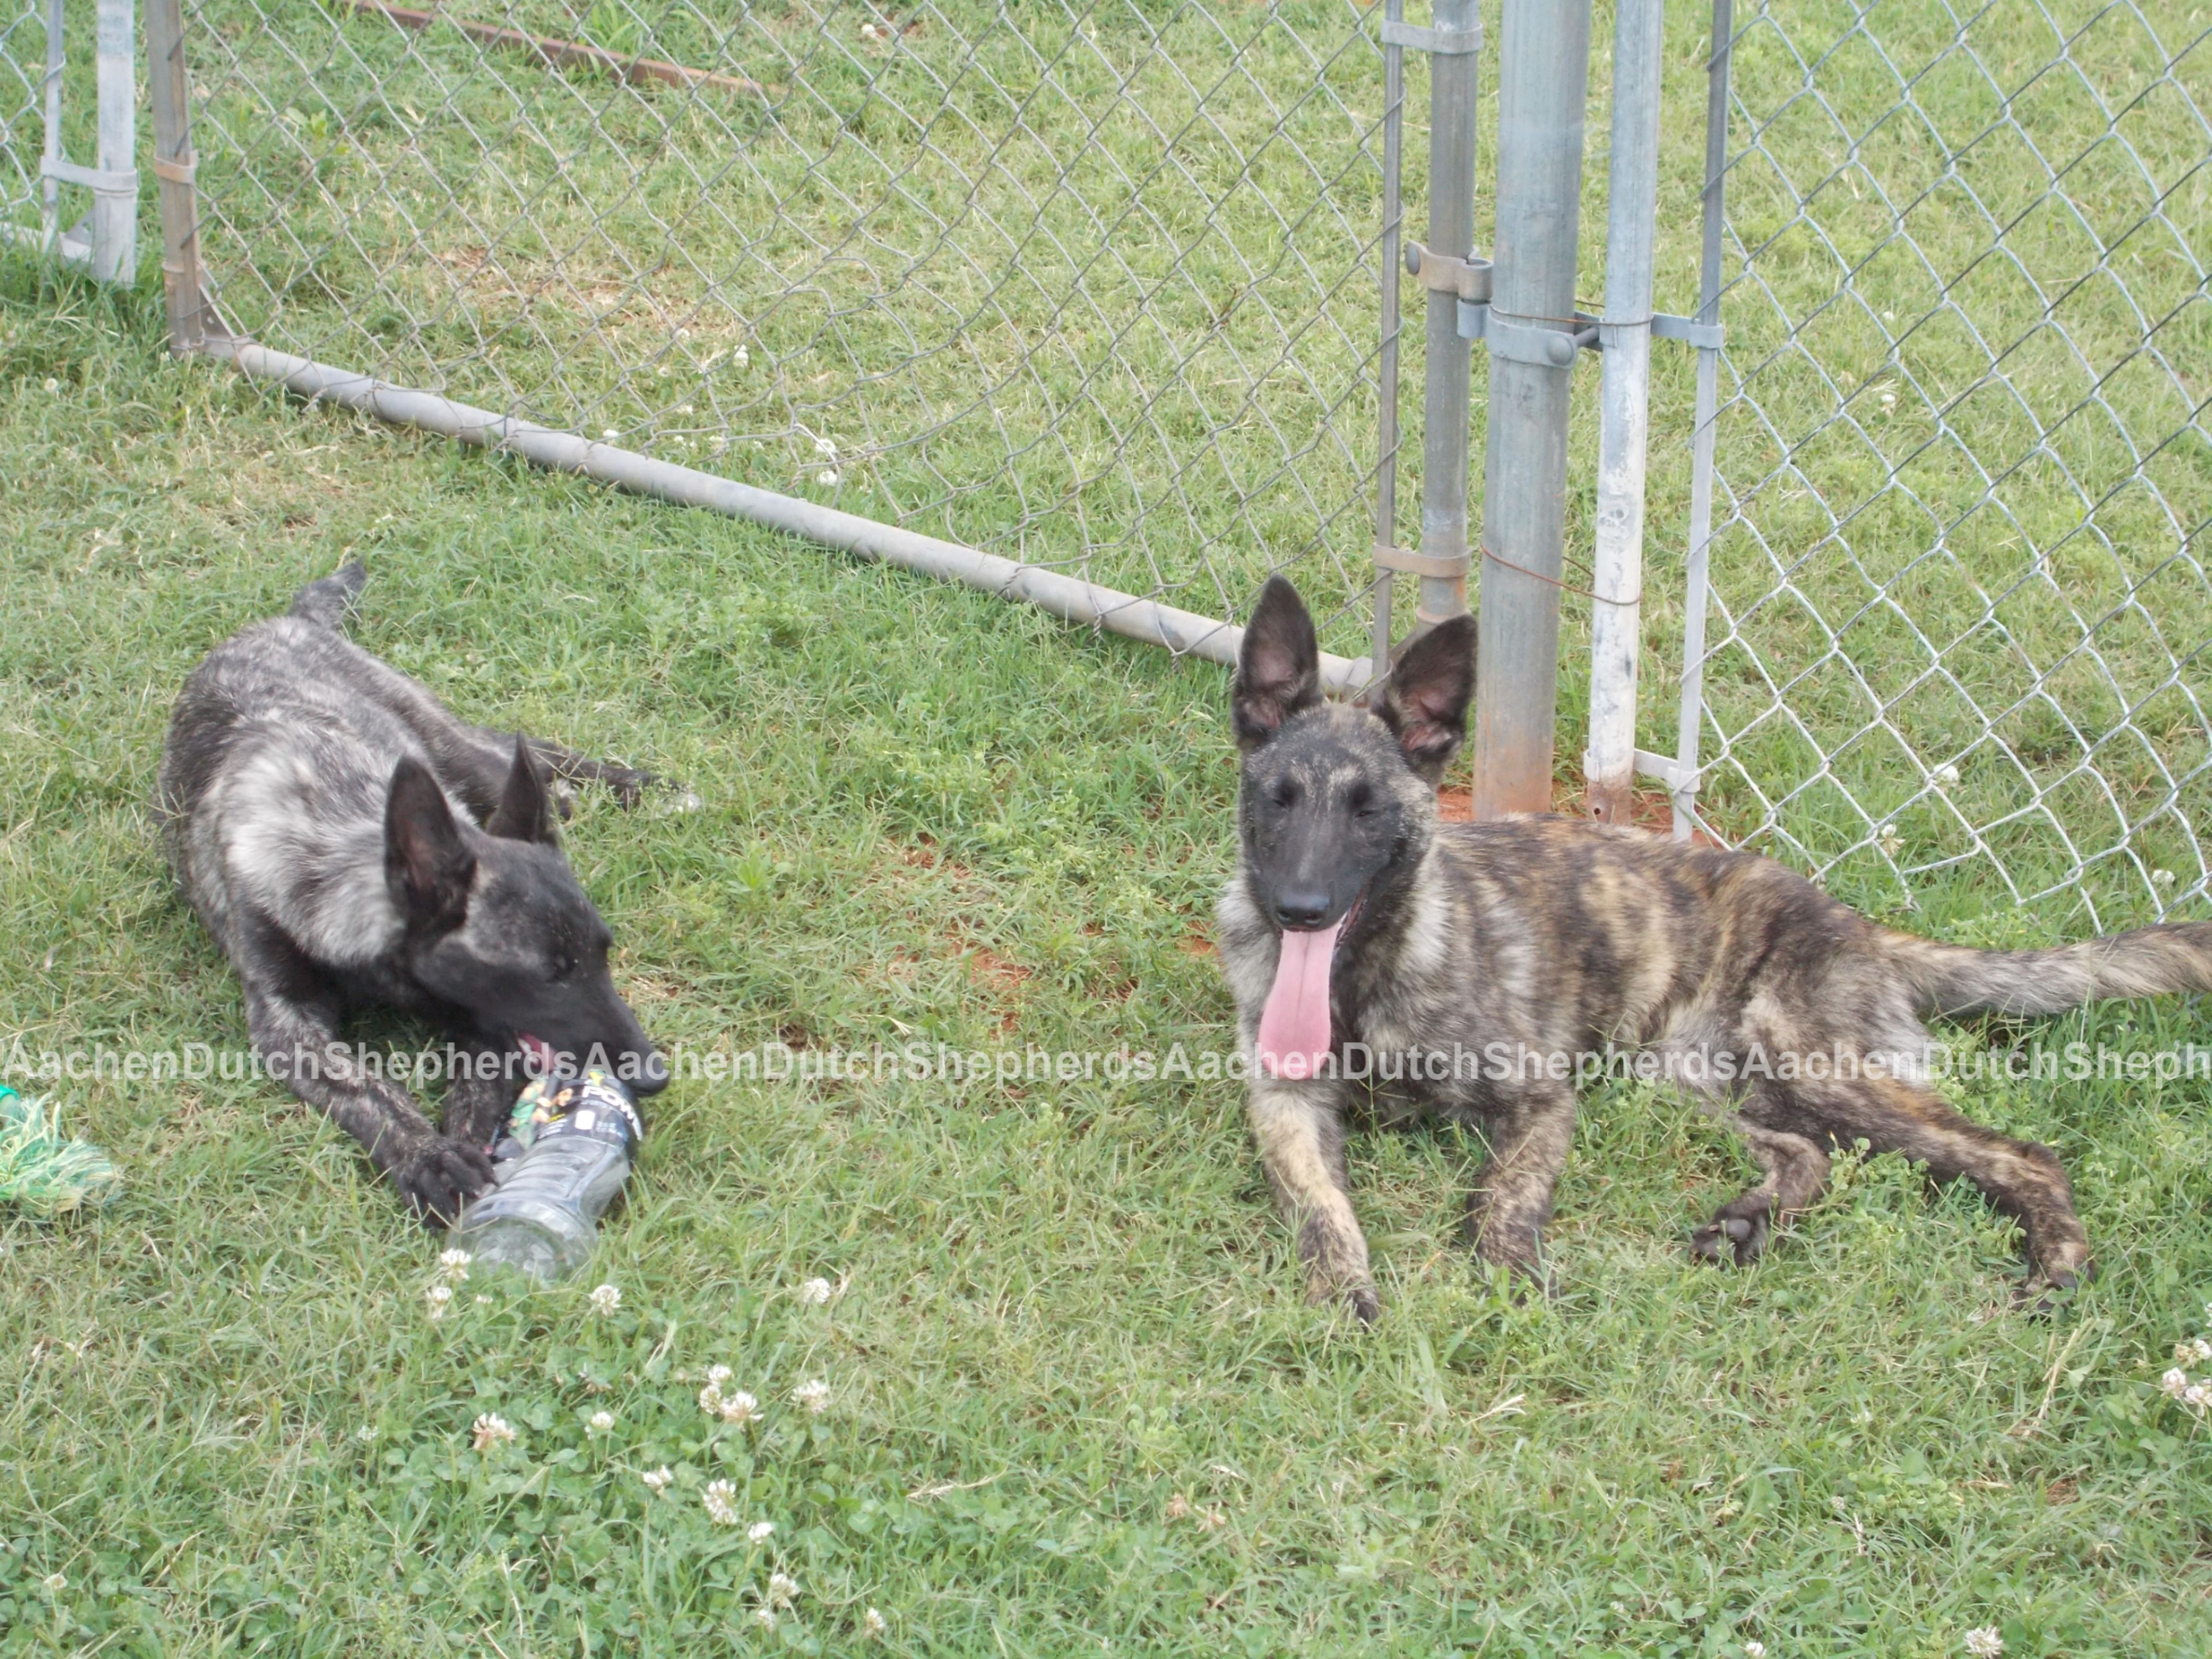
(1184, 632)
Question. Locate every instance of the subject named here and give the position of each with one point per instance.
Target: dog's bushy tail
(326, 603)
(1953, 980)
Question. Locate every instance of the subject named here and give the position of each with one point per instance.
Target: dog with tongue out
(1336, 811)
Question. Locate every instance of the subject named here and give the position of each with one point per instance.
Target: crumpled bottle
(565, 1156)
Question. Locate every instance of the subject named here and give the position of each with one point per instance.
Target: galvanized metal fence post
(1532, 328)
(1386, 401)
(115, 193)
(1685, 789)
(106, 242)
(1617, 582)
(193, 316)
(1445, 268)
(50, 183)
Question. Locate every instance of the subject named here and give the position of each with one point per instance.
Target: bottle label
(592, 1104)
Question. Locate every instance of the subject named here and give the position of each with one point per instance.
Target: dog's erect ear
(1424, 700)
(427, 863)
(525, 812)
(1279, 670)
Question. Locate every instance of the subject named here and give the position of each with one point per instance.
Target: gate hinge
(1468, 278)
(1706, 336)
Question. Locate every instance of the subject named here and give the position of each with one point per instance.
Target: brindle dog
(1359, 934)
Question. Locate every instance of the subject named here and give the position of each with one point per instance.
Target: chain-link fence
(1961, 618)
(1092, 286)
(23, 112)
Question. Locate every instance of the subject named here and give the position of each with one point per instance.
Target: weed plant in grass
(1071, 1401)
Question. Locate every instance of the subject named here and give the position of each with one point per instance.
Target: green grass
(1079, 1405)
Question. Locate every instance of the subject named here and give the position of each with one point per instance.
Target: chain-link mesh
(1089, 285)
(1962, 613)
(22, 111)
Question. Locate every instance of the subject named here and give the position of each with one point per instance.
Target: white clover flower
(54, 1583)
(1754, 1650)
(814, 1292)
(454, 1264)
(826, 449)
(601, 1422)
(814, 1396)
(365, 1433)
(761, 1531)
(1889, 400)
(2197, 1396)
(764, 1617)
(740, 357)
(719, 1374)
(493, 1429)
(53, 385)
(611, 432)
(739, 1408)
(440, 1298)
(2174, 1384)
(2195, 1352)
(873, 1624)
(1947, 776)
(2163, 878)
(826, 476)
(658, 1479)
(605, 1300)
(782, 1588)
(721, 1499)
(1985, 1642)
(867, 31)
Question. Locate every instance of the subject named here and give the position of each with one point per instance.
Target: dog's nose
(1301, 909)
(652, 1074)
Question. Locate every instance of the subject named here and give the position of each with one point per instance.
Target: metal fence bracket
(1450, 43)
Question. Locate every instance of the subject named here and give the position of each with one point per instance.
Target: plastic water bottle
(565, 1156)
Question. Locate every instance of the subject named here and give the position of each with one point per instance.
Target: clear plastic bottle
(566, 1155)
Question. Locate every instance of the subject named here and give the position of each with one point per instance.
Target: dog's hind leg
(292, 1020)
(2024, 1179)
(1796, 1173)
(1529, 1138)
(1300, 1131)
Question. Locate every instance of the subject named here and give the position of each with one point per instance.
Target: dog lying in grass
(1360, 934)
(349, 842)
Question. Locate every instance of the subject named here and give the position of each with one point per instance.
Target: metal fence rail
(1960, 614)
(1092, 286)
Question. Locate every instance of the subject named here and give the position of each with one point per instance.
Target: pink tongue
(1294, 1035)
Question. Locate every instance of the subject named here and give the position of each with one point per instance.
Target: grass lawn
(1077, 1404)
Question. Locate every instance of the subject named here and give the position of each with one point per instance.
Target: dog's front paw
(628, 785)
(1366, 1306)
(439, 1177)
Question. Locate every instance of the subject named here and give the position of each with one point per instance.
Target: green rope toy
(40, 1171)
